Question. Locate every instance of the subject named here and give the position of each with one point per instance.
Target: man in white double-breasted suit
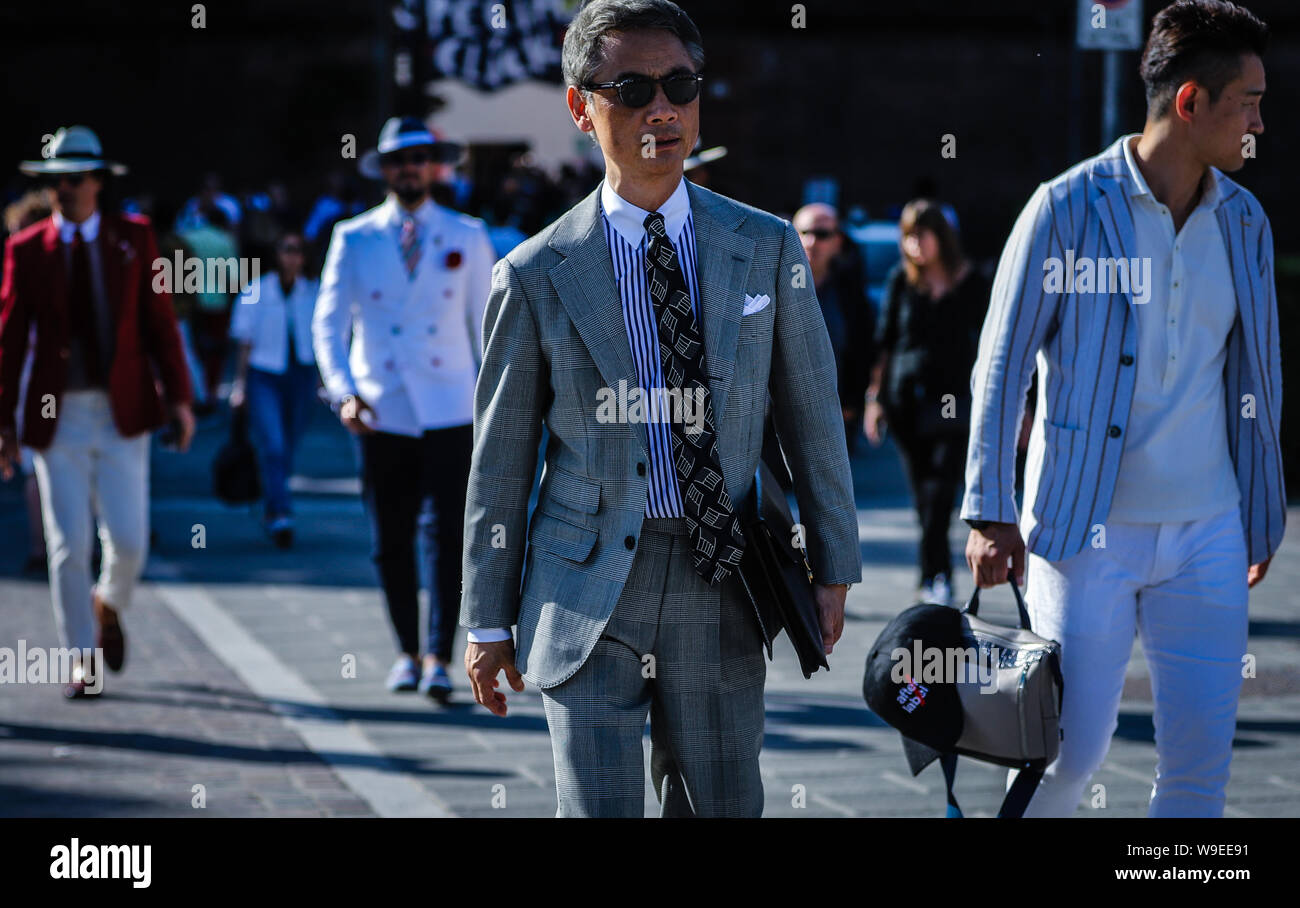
(397, 335)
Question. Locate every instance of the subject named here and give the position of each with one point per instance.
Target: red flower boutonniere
(453, 259)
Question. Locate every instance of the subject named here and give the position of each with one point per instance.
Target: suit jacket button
(1114, 431)
(1126, 359)
(630, 542)
(640, 469)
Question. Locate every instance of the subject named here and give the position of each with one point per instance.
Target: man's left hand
(1257, 572)
(184, 419)
(830, 612)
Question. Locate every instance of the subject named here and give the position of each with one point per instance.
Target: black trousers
(935, 464)
(411, 483)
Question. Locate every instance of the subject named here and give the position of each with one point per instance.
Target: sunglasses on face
(401, 158)
(638, 91)
(72, 179)
(818, 233)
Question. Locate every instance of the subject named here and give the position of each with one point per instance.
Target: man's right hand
(987, 551)
(873, 422)
(350, 415)
(483, 662)
(8, 453)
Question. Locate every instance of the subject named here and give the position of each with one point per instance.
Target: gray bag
(997, 700)
(1021, 722)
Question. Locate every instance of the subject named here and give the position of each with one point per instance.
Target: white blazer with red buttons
(409, 345)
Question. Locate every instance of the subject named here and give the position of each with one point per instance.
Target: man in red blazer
(78, 296)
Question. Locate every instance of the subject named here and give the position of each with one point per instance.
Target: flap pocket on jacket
(574, 491)
(568, 540)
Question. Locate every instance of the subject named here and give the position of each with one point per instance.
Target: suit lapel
(1234, 223)
(584, 282)
(723, 259)
(58, 268)
(1116, 215)
(110, 263)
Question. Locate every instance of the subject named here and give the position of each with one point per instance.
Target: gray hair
(584, 42)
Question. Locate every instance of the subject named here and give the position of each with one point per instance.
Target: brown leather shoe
(111, 639)
(78, 689)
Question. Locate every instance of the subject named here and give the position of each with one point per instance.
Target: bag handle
(973, 606)
(1017, 796)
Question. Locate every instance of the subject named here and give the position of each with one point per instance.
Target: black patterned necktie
(715, 530)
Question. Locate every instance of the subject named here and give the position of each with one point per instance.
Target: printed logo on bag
(911, 695)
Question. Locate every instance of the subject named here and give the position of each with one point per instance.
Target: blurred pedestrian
(211, 241)
(275, 374)
(397, 333)
(78, 292)
(841, 293)
(32, 207)
(198, 208)
(928, 336)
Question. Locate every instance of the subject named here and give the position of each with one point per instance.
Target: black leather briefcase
(775, 573)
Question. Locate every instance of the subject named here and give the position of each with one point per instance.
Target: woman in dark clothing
(927, 339)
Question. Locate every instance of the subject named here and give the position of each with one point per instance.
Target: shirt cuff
(488, 634)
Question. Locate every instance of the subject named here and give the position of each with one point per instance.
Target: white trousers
(1182, 587)
(90, 466)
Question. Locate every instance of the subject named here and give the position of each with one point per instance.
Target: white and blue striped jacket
(1084, 346)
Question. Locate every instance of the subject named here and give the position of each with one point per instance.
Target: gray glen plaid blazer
(1084, 346)
(553, 336)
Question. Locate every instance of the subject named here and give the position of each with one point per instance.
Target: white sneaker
(937, 592)
(404, 675)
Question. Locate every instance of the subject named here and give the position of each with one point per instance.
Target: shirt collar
(89, 227)
(629, 220)
(423, 215)
(1137, 186)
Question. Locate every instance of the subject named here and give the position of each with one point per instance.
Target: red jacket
(147, 348)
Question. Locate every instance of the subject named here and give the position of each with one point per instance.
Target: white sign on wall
(1110, 24)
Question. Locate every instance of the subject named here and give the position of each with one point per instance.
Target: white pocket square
(754, 303)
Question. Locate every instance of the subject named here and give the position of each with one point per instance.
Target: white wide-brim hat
(75, 149)
(407, 132)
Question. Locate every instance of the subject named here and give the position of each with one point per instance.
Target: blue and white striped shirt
(626, 235)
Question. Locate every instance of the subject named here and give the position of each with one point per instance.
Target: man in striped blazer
(650, 291)
(1141, 283)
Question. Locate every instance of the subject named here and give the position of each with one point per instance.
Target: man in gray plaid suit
(646, 328)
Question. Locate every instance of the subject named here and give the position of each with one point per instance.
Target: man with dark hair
(1142, 281)
(396, 333)
(650, 288)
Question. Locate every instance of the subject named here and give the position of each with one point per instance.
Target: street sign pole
(1112, 27)
(1110, 83)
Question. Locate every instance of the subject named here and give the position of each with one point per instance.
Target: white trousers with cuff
(89, 465)
(1182, 587)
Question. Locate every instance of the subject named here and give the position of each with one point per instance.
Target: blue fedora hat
(407, 132)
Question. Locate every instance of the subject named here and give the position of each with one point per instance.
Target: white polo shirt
(1176, 465)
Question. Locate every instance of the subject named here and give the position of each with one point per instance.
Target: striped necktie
(410, 242)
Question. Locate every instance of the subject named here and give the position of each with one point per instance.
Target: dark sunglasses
(819, 233)
(54, 179)
(638, 91)
(399, 158)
